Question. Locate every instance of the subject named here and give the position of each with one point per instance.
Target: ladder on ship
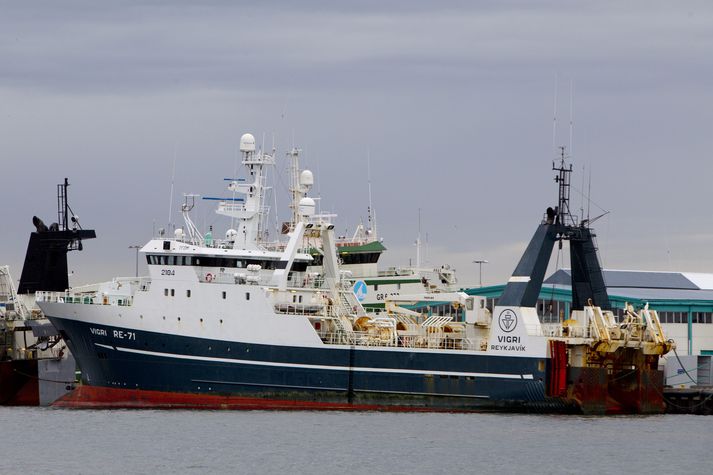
(342, 311)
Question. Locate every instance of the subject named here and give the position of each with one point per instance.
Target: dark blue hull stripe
(313, 366)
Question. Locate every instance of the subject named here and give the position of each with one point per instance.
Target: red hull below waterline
(90, 397)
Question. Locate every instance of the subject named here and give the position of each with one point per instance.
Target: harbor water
(57, 441)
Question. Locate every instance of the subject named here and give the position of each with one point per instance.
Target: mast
(523, 288)
(62, 206)
(418, 242)
(301, 181)
(372, 213)
(295, 190)
(563, 177)
(249, 211)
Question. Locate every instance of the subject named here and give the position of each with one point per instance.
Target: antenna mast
(372, 214)
(554, 118)
(418, 242)
(295, 189)
(571, 116)
(170, 196)
(62, 206)
(564, 172)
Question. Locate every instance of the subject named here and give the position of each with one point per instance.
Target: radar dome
(178, 233)
(306, 207)
(231, 235)
(247, 143)
(306, 178)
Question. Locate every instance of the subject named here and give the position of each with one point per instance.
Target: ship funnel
(45, 266)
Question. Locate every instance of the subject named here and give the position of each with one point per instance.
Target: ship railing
(247, 277)
(307, 282)
(93, 298)
(396, 272)
(299, 309)
(384, 339)
(358, 338)
(547, 329)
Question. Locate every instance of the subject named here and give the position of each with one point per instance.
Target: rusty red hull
(629, 391)
(90, 397)
(18, 383)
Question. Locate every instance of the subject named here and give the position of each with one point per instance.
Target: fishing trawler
(227, 323)
(35, 365)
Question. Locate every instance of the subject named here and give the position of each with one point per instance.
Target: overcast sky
(453, 101)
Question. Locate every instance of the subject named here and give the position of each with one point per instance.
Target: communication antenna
(571, 116)
(372, 213)
(319, 190)
(418, 242)
(589, 196)
(235, 175)
(554, 118)
(274, 198)
(173, 177)
(581, 195)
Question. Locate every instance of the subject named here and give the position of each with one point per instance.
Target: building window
(702, 317)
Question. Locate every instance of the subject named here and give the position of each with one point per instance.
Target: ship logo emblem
(360, 290)
(507, 320)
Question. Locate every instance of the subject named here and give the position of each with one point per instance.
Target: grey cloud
(454, 102)
(165, 46)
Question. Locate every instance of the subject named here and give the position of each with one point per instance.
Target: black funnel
(45, 265)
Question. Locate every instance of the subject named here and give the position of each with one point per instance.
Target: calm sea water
(50, 441)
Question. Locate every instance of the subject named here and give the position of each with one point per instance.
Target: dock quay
(693, 400)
